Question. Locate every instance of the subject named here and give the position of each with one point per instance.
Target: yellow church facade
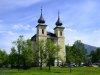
(57, 37)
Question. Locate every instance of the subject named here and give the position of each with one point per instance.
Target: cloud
(21, 27)
(96, 31)
(8, 32)
(88, 6)
(50, 29)
(5, 4)
(6, 39)
(82, 20)
(2, 27)
(11, 33)
(72, 35)
(68, 30)
(91, 38)
(77, 17)
(81, 14)
(10, 36)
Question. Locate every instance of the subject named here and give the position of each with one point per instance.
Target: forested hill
(89, 47)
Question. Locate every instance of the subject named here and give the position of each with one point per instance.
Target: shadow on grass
(57, 72)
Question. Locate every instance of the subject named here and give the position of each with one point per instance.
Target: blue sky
(81, 19)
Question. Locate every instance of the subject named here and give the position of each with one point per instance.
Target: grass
(54, 71)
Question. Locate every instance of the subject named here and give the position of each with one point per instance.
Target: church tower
(41, 29)
(40, 35)
(59, 31)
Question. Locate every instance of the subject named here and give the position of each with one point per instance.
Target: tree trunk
(49, 63)
(18, 65)
(58, 62)
(24, 63)
(70, 67)
(49, 67)
(41, 64)
(79, 64)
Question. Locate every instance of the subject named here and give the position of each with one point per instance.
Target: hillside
(89, 47)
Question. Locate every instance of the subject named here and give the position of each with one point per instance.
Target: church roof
(33, 37)
(49, 35)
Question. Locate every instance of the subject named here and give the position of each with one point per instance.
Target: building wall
(40, 36)
(57, 32)
(61, 42)
(39, 31)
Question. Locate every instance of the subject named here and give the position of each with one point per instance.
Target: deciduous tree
(13, 57)
(51, 49)
(79, 52)
(3, 58)
(95, 55)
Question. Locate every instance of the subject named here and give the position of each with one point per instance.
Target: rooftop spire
(58, 23)
(41, 11)
(41, 19)
(58, 13)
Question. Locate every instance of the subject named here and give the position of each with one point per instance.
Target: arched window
(42, 31)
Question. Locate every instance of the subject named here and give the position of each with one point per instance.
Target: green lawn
(54, 71)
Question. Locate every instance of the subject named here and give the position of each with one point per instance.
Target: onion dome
(41, 19)
(58, 23)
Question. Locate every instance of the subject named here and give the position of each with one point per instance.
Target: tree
(19, 44)
(13, 57)
(69, 55)
(95, 55)
(25, 52)
(79, 52)
(3, 58)
(42, 53)
(51, 51)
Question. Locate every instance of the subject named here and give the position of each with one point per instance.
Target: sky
(81, 19)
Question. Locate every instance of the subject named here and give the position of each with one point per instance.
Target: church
(57, 36)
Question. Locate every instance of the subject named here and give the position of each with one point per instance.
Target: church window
(60, 33)
(42, 31)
